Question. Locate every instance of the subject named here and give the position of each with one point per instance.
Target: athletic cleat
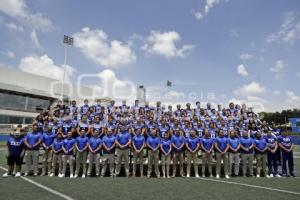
(18, 174)
(226, 176)
(217, 176)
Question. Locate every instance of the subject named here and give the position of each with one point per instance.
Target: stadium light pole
(67, 41)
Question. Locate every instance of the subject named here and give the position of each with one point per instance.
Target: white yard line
(252, 186)
(44, 187)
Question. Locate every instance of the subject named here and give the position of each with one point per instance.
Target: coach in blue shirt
(138, 144)
(247, 145)
(260, 146)
(207, 145)
(68, 149)
(48, 138)
(286, 145)
(95, 144)
(234, 154)
(123, 140)
(32, 142)
(153, 143)
(192, 144)
(178, 142)
(222, 146)
(108, 144)
(81, 146)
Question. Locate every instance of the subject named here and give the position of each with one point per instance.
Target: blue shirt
(177, 141)
(68, 145)
(153, 142)
(94, 143)
(138, 141)
(166, 145)
(15, 146)
(33, 138)
(271, 141)
(222, 143)
(123, 138)
(48, 138)
(260, 144)
(246, 142)
(109, 142)
(192, 142)
(285, 141)
(207, 143)
(81, 142)
(58, 144)
(234, 143)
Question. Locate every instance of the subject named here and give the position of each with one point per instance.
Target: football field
(143, 189)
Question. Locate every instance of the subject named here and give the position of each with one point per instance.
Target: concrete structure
(24, 95)
(141, 94)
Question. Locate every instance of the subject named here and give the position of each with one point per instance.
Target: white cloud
(19, 10)
(111, 86)
(209, 4)
(10, 54)
(241, 70)
(289, 31)
(251, 89)
(95, 45)
(44, 66)
(277, 69)
(34, 38)
(164, 44)
(276, 92)
(246, 56)
(14, 27)
(198, 15)
(292, 100)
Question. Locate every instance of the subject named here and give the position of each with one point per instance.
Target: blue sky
(211, 50)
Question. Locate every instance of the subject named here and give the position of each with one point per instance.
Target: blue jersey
(271, 142)
(66, 127)
(260, 144)
(123, 138)
(166, 145)
(177, 141)
(233, 143)
(81, 142)
(246, 142)
(109, 141)
(48, 139)
(94, 143)
(207, 143)
(57, 145)
(192, 142)
(153, 142)
(138, 141)
(68, 145)
(285, 141)
(83, 126)
(222, 143)
(15, 146)
(32, 138)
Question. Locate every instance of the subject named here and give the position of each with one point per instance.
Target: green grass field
(144, 189)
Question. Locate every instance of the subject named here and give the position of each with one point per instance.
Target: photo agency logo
(91, 86)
